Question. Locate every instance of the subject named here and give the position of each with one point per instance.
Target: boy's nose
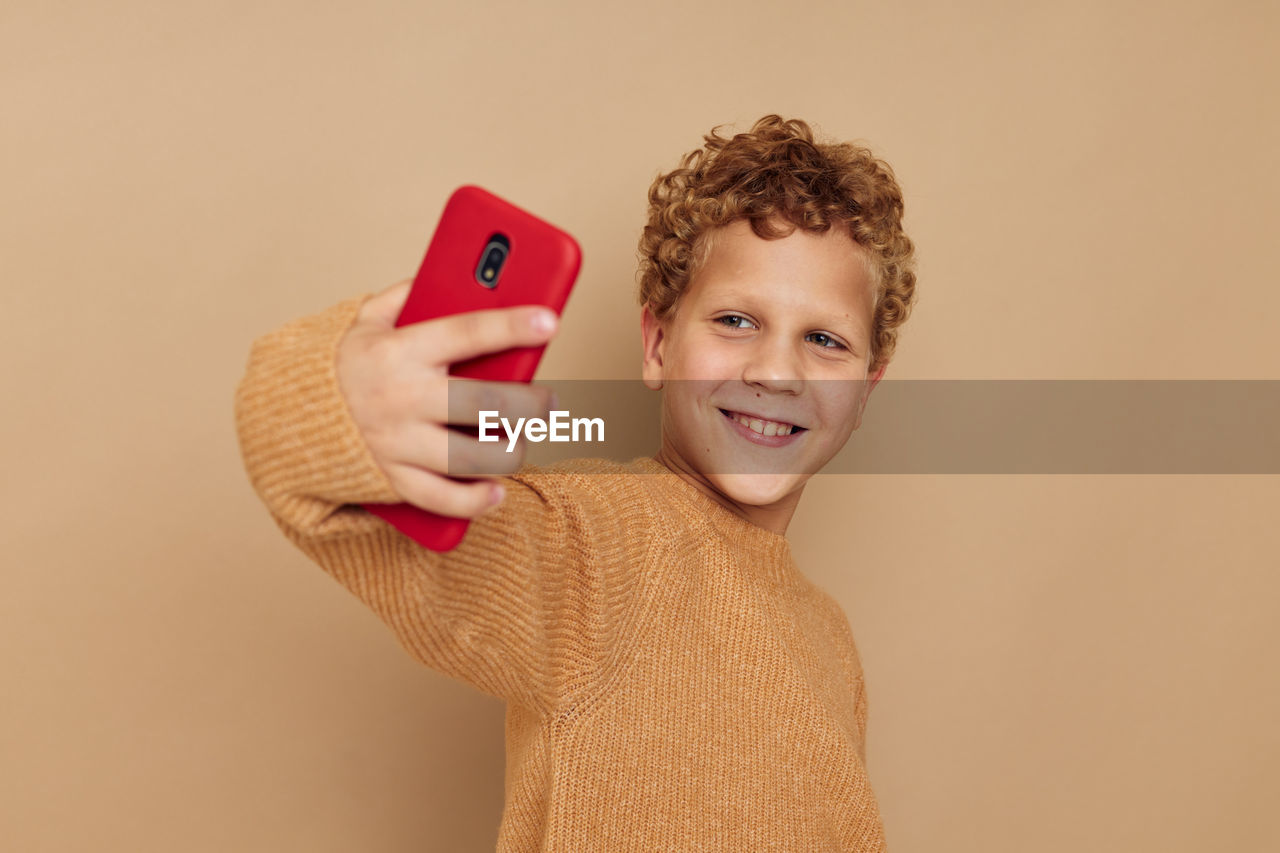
(773, 366)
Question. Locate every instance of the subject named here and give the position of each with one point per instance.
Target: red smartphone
(485, 253)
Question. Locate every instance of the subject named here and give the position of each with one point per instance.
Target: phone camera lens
(492, 260)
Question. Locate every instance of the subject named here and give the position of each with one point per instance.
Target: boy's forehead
(741, 263)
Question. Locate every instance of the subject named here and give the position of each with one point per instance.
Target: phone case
(541, 265)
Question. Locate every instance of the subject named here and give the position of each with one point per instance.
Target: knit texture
(672, 681)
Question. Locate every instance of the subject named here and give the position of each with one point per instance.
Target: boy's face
(772, 329)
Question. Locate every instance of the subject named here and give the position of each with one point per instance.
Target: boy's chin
(758, 489)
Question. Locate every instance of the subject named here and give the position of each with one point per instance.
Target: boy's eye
(731, 317)
(826, 341)
(737, 321)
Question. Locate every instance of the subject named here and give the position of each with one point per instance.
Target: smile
(761, 431)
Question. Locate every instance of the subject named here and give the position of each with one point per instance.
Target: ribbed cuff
(297, 436)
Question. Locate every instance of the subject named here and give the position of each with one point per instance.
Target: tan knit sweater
(673, 682)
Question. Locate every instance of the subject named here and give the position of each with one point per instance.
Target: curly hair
(778, 171)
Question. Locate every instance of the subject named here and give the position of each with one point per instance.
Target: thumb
(384, 307)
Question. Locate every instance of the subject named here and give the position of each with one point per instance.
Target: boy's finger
(434, 493)
(446, 340)
(384, 307)
(511, 400)
(470, 457)
(450, 452)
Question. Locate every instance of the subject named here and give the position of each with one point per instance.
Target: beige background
(1053, 663)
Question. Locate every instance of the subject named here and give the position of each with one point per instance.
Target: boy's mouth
(761, 426)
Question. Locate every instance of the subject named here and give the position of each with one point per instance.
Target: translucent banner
(908, 426)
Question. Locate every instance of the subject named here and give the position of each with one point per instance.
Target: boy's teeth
(763, 427)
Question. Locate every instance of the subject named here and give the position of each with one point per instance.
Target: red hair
(776, 171)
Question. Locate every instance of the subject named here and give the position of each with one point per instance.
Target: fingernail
(554, 403)
(496, 495)
(544, 321)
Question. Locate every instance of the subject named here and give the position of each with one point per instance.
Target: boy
(673, 682)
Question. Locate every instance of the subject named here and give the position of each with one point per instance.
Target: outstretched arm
(484, 613)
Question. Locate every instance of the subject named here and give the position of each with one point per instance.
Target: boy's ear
(651, 332)
(867, 387)
(875, 378)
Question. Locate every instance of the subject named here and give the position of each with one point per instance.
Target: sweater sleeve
(483, 613)
(851, 661)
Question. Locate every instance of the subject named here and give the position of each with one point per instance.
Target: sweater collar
(740, 532)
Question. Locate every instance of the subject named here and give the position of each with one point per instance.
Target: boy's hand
(396, 383)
